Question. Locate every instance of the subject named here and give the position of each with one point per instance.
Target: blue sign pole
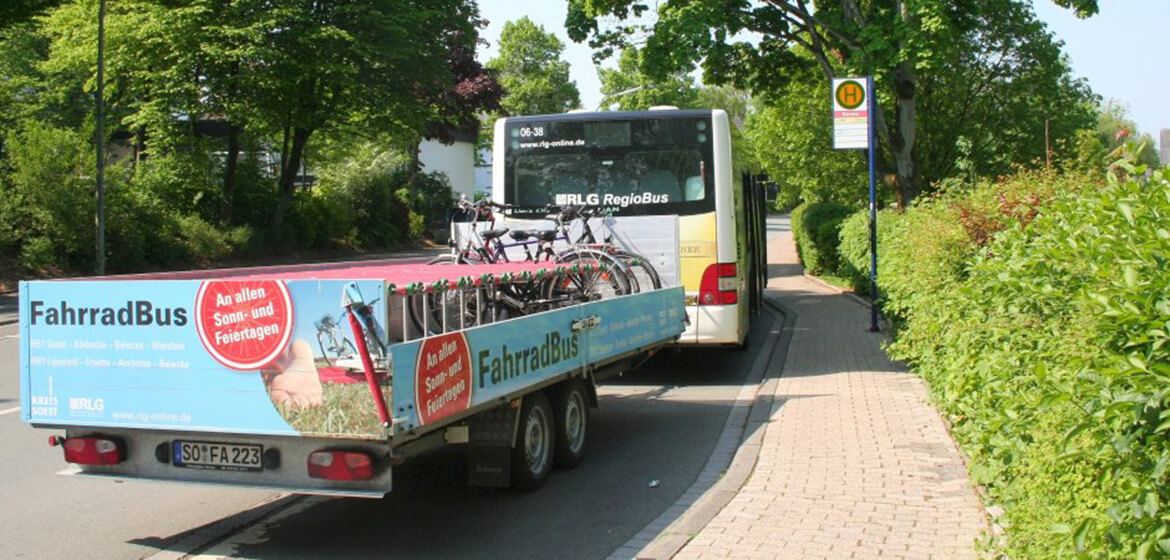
(873, 309)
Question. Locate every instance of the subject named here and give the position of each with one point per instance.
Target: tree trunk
(229, 175)
(288, 176)
(905, 176)
(415, 166)
(903, 136)
(139, 146)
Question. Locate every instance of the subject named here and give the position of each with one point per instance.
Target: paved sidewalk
(854, 462)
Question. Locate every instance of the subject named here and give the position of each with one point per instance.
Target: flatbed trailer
(313, 379)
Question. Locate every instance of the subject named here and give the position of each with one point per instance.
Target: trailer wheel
(572, 420)
(532, 456)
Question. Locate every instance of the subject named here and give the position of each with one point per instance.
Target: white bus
(657, 162)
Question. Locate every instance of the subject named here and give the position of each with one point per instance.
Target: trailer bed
(169, 362)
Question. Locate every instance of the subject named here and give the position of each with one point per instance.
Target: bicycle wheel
(643, 277)
(348, 350)
(434, 302)
(326, 343)
(600, 276)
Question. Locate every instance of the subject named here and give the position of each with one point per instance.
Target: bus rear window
(627, 166)
(620, 180)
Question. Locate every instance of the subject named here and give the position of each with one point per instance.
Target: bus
(663, 161)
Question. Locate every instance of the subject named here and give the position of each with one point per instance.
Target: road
(657, 424)
(49, 516)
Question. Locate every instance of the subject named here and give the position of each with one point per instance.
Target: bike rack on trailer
(353, 302)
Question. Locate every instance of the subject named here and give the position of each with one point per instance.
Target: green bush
(203, 243)
(183, 182)
(431, 199)
(322, 217)
(366, 199)
(786, 199)
(854, 246)
(1037, 310)
(50, 191)
(816, 228)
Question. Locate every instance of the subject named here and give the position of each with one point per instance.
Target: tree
(631, 88)
(741, 110)
(1115, 129)
(793, 139)
(19, 11)
(531, 71)
(475, 91)
(897, 41)
(359, 63)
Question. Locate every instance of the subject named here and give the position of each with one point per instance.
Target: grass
(347, 410)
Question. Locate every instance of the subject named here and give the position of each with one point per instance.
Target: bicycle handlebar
(565, 214)
(482, 204)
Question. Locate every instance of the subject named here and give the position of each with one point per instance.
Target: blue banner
(446, 375)
(244, 356)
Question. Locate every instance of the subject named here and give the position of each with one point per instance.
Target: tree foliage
(1113, 133)
(532, 71)
(213, 106)
(793, 138)
(937, 66)
(630, 88)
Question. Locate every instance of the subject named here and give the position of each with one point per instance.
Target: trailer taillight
(341, 465)
(719, 285)
(91, 450)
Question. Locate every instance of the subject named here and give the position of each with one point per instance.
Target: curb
(883, 324)
(723, 476)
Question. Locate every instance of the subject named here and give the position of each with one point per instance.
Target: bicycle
(589, 276)
(642, 273)
(336, 347)
(332, 340)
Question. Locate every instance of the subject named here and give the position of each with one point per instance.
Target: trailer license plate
(218, 456)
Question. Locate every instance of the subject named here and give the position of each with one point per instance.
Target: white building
(456, 160)
(483, 173)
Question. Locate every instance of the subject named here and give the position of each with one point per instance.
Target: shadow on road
(659, 423)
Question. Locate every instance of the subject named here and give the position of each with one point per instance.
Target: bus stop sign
(850, 114)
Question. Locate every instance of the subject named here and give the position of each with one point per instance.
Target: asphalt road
(49, 516)
(659, 423)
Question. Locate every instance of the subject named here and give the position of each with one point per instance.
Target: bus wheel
(571, 410)
(532, 456)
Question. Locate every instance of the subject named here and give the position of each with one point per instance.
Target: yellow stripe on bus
(697, 248)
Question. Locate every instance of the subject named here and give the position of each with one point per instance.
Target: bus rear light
(341, 465)
(91, 450)
(719, 285)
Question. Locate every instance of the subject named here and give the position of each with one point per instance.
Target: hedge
(815, 227)
(1037, 309)
(854, 246)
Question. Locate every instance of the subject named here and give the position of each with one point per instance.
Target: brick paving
(854, 462)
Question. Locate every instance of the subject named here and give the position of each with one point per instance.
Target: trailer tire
(532, 456)
(571, 411)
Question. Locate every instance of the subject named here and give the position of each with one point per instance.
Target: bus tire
(532, 455)
(571, 412)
